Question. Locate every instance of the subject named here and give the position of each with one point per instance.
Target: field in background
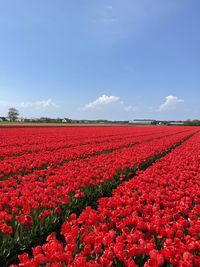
(21, 124)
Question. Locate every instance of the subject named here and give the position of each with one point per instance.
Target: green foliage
(192, 123)
(13, 114)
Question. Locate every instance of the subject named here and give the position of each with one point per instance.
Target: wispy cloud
(109, 7)
(120, 19)
(109, 20)
(101, 101)
(130, 108)
(170, 102)
(106, 100)
(42, 104)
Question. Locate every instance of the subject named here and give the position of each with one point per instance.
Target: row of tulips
(19, 141)
(25, 164)
(151, 220)
(32, 205)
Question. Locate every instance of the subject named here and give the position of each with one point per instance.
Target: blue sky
(100, 59)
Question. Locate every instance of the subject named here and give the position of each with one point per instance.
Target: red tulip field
(100, 196)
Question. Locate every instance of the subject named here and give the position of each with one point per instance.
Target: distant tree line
(13, 115)
(192, 123)
(44, 119)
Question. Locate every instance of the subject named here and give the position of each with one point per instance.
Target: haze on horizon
(108, 59)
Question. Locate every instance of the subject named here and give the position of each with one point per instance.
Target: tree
(192, 123)
(13, 114)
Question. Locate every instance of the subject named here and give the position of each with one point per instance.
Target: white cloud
(127, 108)
(130, 108)
(101, 101)
(105, 100)
(42, 104)
(170, 102)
